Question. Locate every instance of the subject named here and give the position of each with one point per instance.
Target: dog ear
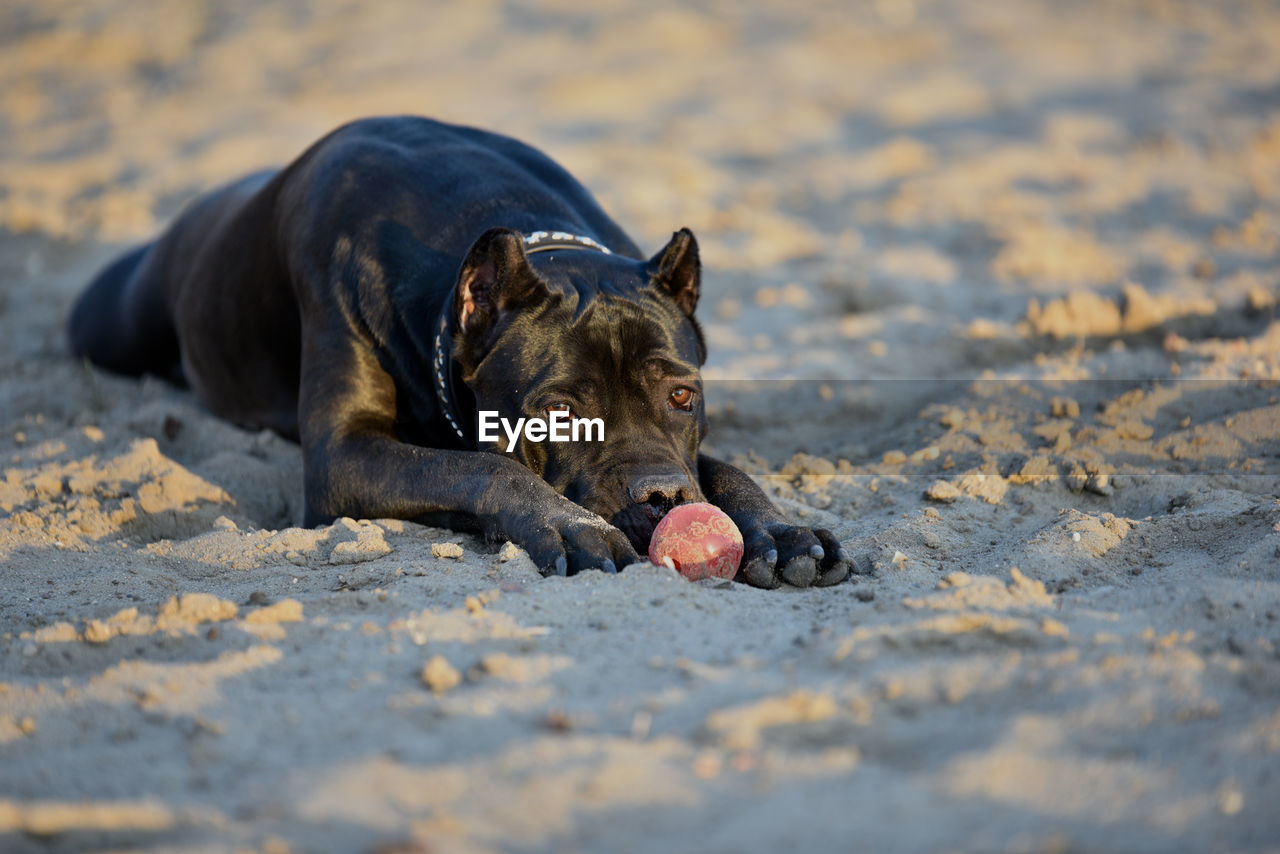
(677, 270)
(495, 275)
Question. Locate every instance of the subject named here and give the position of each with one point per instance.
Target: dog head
(600, 342)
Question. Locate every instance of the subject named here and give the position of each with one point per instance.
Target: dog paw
(565, 539)
(788, 554)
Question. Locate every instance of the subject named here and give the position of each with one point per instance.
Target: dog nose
(664, 489)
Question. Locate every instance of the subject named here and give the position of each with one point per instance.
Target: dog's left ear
(677, 270)
(495, 276)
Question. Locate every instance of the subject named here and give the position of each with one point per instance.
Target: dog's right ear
(495, 277)
(678, 271)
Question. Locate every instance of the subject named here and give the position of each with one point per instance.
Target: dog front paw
(780, 554)
(563, 538)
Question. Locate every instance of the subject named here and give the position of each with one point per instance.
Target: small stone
(894, 458)
(440, 676)
(942, 490)
(477, 603)
(369, 544)
(284, 611)
(123, 617)
(1038, 470)
(196, 608)
(446, 550)
(955, 579)
(1099, 484)
(1134, 428)
(1054, 628)
(509, 551)
(96, 631)
(1064, 407)
(931, 540)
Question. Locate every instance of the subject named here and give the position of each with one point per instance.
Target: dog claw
(562, 565)
(609, 567)
(817, 552)
(843, 556)
(771, 558)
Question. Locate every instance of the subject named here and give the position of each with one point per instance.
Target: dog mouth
(637, 521)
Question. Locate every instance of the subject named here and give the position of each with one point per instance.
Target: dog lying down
(457, 334)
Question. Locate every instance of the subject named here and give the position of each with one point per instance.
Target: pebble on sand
(942, 490)
(451, 550)
(439, 675)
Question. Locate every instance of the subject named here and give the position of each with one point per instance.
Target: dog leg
(354, 465)
(776, 551)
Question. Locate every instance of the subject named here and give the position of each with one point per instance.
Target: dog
(404, 279)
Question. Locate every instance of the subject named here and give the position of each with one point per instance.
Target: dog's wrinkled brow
(667, 367)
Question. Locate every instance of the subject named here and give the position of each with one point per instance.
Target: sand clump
(959, 590)
(439, 675)
(369, 542)
(71, 502)
(1085, 313)
(447, 550)
(284, 611)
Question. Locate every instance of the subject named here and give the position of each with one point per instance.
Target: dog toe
(760, 572)
(800, 571)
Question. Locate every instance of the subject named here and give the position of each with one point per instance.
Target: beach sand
(990, 290)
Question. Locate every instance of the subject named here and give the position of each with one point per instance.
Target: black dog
(400, 277)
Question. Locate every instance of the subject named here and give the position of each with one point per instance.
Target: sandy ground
(991, 293)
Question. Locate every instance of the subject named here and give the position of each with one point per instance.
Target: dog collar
(442, 370)
(443, 376)
(545, 241)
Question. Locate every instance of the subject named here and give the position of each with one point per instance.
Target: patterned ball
(697, 541)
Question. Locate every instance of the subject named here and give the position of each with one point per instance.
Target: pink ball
(698, 541)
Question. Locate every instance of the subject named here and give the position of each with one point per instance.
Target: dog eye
(561, 407)
(681, 398)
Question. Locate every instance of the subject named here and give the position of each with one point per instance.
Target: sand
(991, 293)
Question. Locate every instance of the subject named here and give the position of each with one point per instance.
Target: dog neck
(442, 359)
